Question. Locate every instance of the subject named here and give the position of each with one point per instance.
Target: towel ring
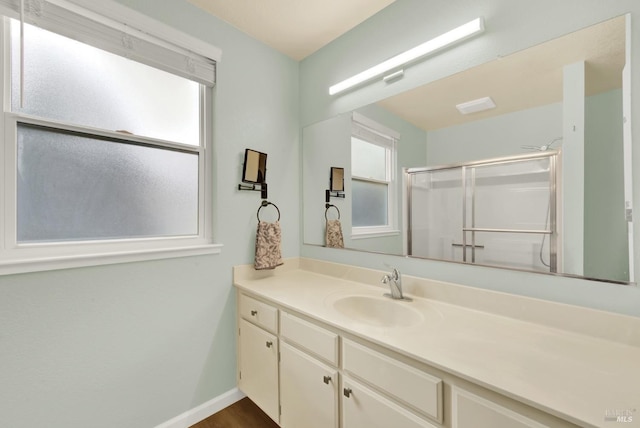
(264, 204)
(327, 210)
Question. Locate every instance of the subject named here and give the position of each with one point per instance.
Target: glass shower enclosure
(497, 212)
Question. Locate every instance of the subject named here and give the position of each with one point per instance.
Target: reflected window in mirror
(373, 155)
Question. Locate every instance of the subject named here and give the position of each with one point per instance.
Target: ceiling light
(481, 104)
(457, 34)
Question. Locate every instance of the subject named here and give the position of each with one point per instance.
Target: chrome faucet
(394, 281)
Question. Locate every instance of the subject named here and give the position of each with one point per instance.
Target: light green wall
(134, 345)
(572, 171)
(510, 27)
(605, 228)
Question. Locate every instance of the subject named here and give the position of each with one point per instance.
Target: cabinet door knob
(326, 379)
(254, 313)
(269, 344)
(347, 392)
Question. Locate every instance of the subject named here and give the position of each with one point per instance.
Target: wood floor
(242, 414)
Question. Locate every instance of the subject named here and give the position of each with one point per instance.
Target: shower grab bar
(453, 244)
(480, 229)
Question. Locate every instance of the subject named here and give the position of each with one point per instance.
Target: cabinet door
(473, 411)
(364, 408)
(258, 367)
(308, 391)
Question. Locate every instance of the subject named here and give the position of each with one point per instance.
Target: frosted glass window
(74, 187)
(72, 82)
(370, 203)
(368, 160)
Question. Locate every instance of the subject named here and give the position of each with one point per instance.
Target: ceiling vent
(481, 104)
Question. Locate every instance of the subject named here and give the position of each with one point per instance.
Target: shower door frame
(552, 227)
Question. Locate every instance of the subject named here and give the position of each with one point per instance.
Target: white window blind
(373, 132)
(74, 22)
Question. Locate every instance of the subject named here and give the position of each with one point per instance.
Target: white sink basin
(378, 311)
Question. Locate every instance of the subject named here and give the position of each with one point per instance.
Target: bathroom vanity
(319, 346)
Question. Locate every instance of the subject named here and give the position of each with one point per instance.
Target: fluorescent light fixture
(481, 104)
(457, 34)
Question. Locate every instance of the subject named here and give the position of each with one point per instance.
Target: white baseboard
(203, 411)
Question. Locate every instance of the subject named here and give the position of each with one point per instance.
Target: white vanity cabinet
(303, 373)
(308, 374)
(258, 354)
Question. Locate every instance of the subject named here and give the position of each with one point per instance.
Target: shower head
(542, 148)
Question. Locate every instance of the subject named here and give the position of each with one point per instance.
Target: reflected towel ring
(264, 204)
(327, 209)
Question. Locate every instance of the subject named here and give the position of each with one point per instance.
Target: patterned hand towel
(268, 254)
(334, 237)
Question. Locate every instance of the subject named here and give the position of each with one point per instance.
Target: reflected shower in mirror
(535, 113)
(499, 212)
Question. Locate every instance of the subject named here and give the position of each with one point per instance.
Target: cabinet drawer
(364, 408)
(316, 340)
(415, 388)
(259, 313)
(472, 411)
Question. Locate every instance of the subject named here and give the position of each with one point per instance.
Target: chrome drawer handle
(347, 392)
(269, 344)
(326, 379)
(254, 313)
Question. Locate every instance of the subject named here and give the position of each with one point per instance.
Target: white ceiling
(296, 28)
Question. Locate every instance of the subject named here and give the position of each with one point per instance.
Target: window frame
(362, 127)
(16, 257)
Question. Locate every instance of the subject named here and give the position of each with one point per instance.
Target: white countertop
(573, 376)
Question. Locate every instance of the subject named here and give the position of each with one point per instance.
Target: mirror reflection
(255, 167)
(336, 182)
(535, 182)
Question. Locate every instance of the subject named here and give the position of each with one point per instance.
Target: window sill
(9, 267)
(372, 232)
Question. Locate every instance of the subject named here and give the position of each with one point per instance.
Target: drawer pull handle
(269, 344)
(254, 313)
(326, 379)
(347, 392)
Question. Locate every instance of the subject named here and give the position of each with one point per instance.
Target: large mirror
(546, 160)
